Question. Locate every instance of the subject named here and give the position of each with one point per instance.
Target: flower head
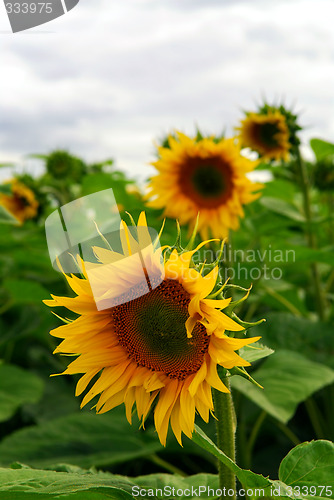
(158, 349)
(20, 201)
(267, 134)
(203, 176)
(271, 132)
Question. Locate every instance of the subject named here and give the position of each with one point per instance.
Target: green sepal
(242, 373)
(236, 287)
(245, 324)
(235, 303)
(177, 243)
(199, 135)
(191, 242)
(236, 370)
(131, 219)
(207, 268)
(218, 294)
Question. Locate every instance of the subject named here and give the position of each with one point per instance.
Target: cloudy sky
(109, 77)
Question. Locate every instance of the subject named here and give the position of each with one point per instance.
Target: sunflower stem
(225, 427)
(305, 187)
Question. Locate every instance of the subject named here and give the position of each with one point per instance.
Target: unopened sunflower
(155, 350)
(203, 176)
(20, 202)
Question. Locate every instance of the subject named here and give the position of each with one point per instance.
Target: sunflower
(203, 176)
(21, 202)
(158, 349)
(267, 133)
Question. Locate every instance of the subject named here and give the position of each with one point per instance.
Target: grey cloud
(140, 69)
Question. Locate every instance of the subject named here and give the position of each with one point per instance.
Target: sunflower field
(186, 350)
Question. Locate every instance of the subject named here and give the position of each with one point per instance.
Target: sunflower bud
(61, 164)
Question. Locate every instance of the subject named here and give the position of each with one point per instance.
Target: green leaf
(83, 439)
(321, 148)
(288, 379)
(247, 478)
(255, 351)
(279, 188)
(17, 387)
(24, 291)
(304, 254)
(283, 208)
(310, 465)
(314, 339)
(6, 217)
(305, 465)
(29, 484)
(96, 182)
(74, 483)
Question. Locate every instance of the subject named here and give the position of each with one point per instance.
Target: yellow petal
(115, 400)
(187, 407)
(199, 377)
(84, 381)
(164, 407)
(129, 400)
(213, 379)
(175, 421)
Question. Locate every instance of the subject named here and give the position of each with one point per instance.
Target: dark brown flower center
(21, 201)
(207, 181)
(152, 330)
(265, 134)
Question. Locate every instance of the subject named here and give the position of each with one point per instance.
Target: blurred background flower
(206, 176)
(266, 134)
(19, 200)
(271, 132)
